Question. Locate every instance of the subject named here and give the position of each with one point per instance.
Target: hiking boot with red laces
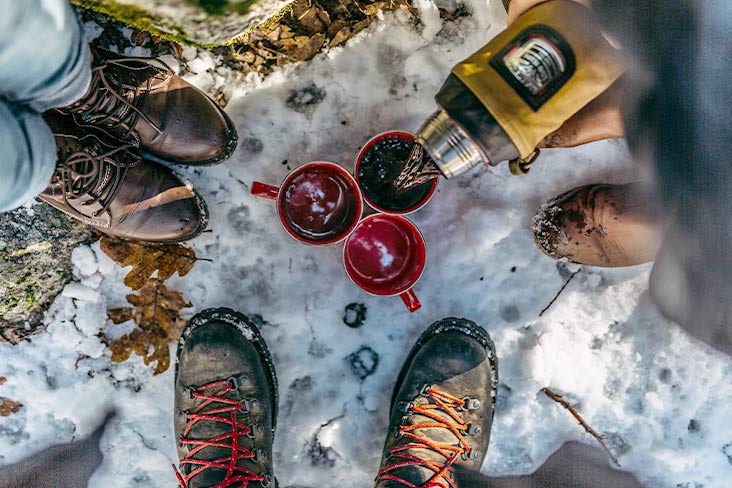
(117, 192)
(140, 101)
(599, 225)
(225, 403)
(442, 407)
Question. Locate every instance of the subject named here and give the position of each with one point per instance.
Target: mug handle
(264, 191)
(410, 300)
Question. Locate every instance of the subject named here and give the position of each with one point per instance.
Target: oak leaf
(9, 407)
(146, 259)
(156, 311)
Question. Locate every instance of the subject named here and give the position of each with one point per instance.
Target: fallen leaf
(342, 36)
(139, 37)
(324, 17)
(9, 407)
(3, 380)
(286, 32)
(156, 312)
(374, 8)
(146, 259)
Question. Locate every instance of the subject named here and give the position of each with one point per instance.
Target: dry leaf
(324, 17)
(146, 259)
(9, 407)
(3, 380)
(274, 34)
(374, 8)
(360, 26)
(286, 32)
(156, 311)
(138, 37)
(342, 36)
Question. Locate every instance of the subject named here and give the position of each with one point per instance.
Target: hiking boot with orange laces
(600, 225)
(225, 403)
(140, 101)
(442, 407)
(114, 190)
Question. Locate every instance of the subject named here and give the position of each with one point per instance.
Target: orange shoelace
(439, 402)
(225, 414)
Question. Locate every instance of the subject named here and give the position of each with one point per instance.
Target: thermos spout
(450, 147)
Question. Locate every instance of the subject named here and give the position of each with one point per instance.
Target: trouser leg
(44, 57)
(28, 156)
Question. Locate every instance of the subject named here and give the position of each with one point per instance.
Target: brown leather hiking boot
(117, 192)
(599, 225)
(225, 403)
(442, 407)
(140, 101)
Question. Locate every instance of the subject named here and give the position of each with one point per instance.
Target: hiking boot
(599, 225)
(225, 403)
(117, 192)
(442, 407)
(140, 101)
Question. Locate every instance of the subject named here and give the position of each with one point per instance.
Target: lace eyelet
(469, 456)
(254, 429)
(404, 406)
(267, 481)
(474, 430)
(237, 382)
(259, 455)
(471, 404)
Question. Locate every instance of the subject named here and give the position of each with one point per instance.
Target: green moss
(140, 19)
(213, 7)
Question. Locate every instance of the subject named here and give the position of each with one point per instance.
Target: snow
(662, 399)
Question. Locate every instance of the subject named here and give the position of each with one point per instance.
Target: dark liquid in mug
(319, 204)
(381, 165)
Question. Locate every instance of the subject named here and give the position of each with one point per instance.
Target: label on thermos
(537, 63)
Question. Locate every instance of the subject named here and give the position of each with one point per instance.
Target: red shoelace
(225, 414)
(439, 402)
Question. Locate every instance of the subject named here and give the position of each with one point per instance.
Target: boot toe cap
(197, 131)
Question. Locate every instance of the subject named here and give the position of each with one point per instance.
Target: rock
(203, 23)
(35, 264)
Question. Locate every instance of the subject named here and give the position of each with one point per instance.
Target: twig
(600, 438)
(571, 277)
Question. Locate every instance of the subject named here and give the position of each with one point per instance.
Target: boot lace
(217, 408)
(84, 173)
(441, 412)
(111, 103)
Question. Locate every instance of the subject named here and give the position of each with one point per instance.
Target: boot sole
(250, 332)
(228, 151)
(465, 326)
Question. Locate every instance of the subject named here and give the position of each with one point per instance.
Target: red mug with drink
(318, 203)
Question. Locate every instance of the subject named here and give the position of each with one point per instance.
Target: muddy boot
(225, 403)
(442, 407)
(599, 225)
(114, 190)
(140, 101)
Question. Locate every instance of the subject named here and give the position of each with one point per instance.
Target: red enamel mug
(318, 203)
(383, 155)
(385, 255)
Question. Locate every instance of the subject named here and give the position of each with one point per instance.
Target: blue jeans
(44, 63)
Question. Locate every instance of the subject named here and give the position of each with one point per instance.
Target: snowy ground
(663, 400)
